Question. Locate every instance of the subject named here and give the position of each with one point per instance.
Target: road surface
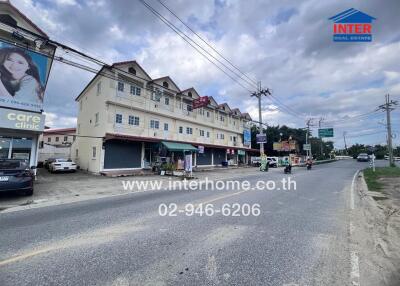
(300, 237)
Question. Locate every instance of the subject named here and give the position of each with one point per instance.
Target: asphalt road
(299, 238)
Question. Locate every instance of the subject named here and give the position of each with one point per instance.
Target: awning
(172, 146)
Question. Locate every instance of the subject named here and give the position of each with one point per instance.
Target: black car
(16, 176)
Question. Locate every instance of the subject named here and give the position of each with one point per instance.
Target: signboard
(201, 149)
(307, 147)
(325, 132)
(188, 163)
(241, 152)
(261, 138)
(285, 146)
(23, 77)
(246, 137)
(201, 102)
(277, 146)
(21, 120)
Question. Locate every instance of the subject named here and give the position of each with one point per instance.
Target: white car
(62, 165)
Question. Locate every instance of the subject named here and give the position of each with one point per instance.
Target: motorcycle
(287, 169)
(309, 165)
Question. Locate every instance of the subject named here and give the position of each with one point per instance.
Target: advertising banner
(15, 119)
(23, 77)
(200, 102)
(261, 138)
(246, 137)
(277, 146)
(201, 149)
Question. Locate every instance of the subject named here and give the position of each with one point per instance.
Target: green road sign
(325, 132)
(306, 147)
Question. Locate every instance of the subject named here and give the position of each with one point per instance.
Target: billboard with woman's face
(23, 76)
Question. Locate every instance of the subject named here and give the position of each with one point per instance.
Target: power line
(190, 41)
(204, 41)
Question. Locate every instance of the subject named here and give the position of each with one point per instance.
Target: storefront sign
(23, 77)
(201, 149)
(241, 152)
(201, 102)
(21, 120)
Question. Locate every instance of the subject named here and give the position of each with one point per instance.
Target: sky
(287, 45)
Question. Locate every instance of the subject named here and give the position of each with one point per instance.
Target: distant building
(127, 120)
(56, 143)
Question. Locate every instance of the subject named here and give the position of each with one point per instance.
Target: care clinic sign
(21, 120)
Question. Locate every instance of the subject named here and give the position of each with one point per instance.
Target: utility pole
(319, 126)
(308, 123)
(388, 108)
(260, 92)
(344, 139)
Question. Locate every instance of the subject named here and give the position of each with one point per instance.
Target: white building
(127, 120)
(56, 143)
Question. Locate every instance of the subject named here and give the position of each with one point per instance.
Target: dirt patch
(377, 232)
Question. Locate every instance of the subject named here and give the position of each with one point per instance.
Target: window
(133, 90)
(138, 90)
(132, 70)
(98, 87)
(201, 133)
(165, 84)
(189, 107)
(73, 138)
(208, 134)
(57, 139)
(190, 94)
(76, 153)
(65, 138)
(41, 144)
(208, 114)
(133, 120)
(49, 139)
(94, 152)
(154, 124)
(220, 136)
(118, 118)
(234, 138)
(189, 130)
(166, 100)
(165, 126)
(180, 129)
(221, 118)
(120, 86)
(96, 118)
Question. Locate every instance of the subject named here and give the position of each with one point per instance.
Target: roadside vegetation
(372, 178)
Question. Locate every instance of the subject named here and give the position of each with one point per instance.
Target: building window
(49, 139)
(96, 118)
(189, 107)
(65, 138)
(154, 124)
(165, 84)
(138, 90)
(201, 133)
(41, 144)
(208, 134)
(118, 118)
(180, 129)
(132, 70)
(221, 118)
(76, 153)
(94, 152)
(189, 130)
(98, 87)
(120, 86)
(190, 94)
(166, 100)
(208, 114)
(165, 126)
(133, 120)
(133, 90)
(220, 136)
(57, 139)
(73, 138)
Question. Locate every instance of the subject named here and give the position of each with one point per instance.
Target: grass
(372, 178)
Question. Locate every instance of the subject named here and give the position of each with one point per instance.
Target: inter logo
(352, 26)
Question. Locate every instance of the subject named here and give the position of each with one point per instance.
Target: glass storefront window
(4, 147)
(20, 148)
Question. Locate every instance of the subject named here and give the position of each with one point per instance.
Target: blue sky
(285, 44)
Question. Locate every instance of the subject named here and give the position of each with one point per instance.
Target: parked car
(272, 162)
(62, 165)
(16, 176)
(363, 157)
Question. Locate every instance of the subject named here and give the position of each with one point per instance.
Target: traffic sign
(307, 147)
(325, 132)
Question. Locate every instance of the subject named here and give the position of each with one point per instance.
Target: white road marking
(355, 269)
(352, 190)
